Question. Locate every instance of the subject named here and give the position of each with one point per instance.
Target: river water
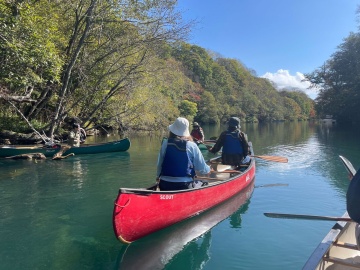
(58, 214)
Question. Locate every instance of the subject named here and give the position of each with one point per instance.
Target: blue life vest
(232, 143)
(176, 161)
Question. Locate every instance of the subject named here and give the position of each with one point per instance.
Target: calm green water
(58, 214)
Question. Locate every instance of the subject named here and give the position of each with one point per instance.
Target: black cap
(234, 122)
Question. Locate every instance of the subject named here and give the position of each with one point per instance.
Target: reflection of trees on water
(196, 253)
(334, 141)
(235, 219)
(194, 256)
(184, 245)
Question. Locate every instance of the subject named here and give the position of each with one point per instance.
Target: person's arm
(219, 143)
(161, 157)
(245, 144)
(202, 135)
(82, 135)
(198, 159)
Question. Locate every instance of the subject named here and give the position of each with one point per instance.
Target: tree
(101, 48)
(339, 81)
(188, 109)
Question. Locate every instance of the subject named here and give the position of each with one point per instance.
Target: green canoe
(115, 146)
(202, 146)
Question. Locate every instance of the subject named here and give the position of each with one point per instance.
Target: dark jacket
(231, 158)
(353, 198)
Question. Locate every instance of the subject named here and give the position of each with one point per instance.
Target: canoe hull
(338, 250)
(115, 146)
(139, 212)
(170, 241)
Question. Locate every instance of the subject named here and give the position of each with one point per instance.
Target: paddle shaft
(351, 170)
(307, 217)
(260, 186)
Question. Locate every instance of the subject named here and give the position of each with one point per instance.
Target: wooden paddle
(273, 185)
(272, 158)
(227, 171)
(209, 141)
(220, 167)
(351, 170)
(260, 186)
(308, 217)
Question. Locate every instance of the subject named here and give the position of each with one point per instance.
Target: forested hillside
(122, 64)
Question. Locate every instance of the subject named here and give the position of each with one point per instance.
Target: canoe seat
(346, 262)
(346, 245)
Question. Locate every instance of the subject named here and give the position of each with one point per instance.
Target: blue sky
(279, 39)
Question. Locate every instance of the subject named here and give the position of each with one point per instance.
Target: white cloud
(283, 79)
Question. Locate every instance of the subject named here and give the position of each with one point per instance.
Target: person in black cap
(235, 147)
(197, 133)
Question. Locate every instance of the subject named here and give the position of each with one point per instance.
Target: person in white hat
(178, 159)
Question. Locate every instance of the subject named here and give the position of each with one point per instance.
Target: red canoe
(139, 212)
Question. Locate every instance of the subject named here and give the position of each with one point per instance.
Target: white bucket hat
(180, 127)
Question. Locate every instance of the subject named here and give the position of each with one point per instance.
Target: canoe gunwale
(121, 145)
(152, 189)
(321, 252)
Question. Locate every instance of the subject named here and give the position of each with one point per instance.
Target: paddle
(308, 217)
(260, 186)
(227, 171)
(209, 141)
(272, 158)
(220, 167)
(349, 167)
(273, 185)
(268, 158)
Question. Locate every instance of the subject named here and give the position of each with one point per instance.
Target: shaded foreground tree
(99, 49)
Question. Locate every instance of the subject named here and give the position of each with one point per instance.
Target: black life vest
(232, 143)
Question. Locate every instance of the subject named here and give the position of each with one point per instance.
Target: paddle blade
(349, 167)
(273, 185)
(221, 167)
(307, 217)
(273, 158)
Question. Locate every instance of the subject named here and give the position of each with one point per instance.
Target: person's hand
(211, 171)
